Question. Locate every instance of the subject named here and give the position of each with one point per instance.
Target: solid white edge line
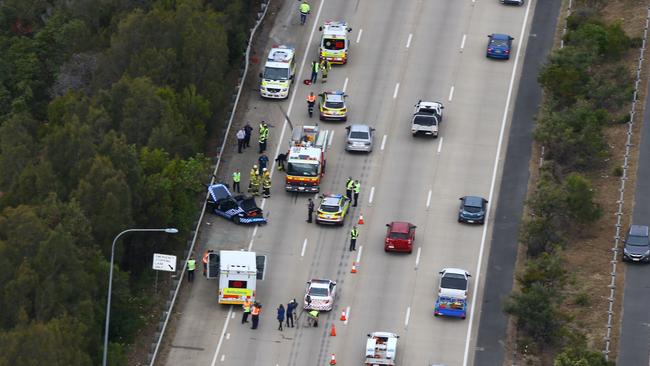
(417, 258)
(396, 91)
(408, 315)
(345, 85)
(492, 186)
(440, 144)
(304, 246)
(408, 41)
(383, 142)
(359, 35)
(359, 254)
(429, 198)
(372, 193)
(462, 43)
(223, 332)
(451, 93)
(277, 150)
(347, 315)
(329, 143)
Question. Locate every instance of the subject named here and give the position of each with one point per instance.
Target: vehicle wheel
(236, 220)
(459, 220)
(410, 251)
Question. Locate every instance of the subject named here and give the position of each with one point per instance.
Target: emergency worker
(357, 189)
(354, 234)
(281, 160)
(191, 266)
(310, 210)
(205, 261)
(266, 183)
(255, 314)
(253, 177)
(349, 187)
(264, 136)
(325, 67)
(314, 71)
(314, 317)
(236, 178)
(311, 100)
(263, 160)
(246, 306)
(304, 9)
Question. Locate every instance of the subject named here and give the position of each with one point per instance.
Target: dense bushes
(586, 89)
(105, 107)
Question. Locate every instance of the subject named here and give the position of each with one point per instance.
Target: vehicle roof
(359, 128)
(335, 28)
(237, 260)
(473, 201)
(331, 199)
(639, 230)
(320, 283)
(277, 65)
(304, 153)
(281, 54)
(423, 104)
(219, 191)
(499, 36)
(334, 97)
(400, 227)
(454, 271)
(383, 334)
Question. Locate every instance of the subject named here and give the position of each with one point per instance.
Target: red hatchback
(399, 237)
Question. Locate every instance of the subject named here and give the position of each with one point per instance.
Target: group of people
(324, 67)
(287, 314)
(352, 189)
(244, 137)
(253, 309)
(260, 177)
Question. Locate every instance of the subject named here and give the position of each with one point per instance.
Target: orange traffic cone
(333, 360)
(354, 267)
(333, 331)
(360, 220)
(343, 317)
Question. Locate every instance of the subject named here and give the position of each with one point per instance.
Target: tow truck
(279, 72)
(238, 273)
(381, 348)
(306, 159)
(454, 307)
(334, 42)
(426, 118)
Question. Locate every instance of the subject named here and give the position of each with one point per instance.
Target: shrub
(580, 199)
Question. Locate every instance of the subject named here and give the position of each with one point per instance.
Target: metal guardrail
(619, 212)
(176, 284)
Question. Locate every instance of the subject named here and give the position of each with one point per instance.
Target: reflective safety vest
(266, 183)
(236, 177)
(304, 8)
(264, 134)
(191, 265)
(314, 66)
(247, 306)
(314, 313)
(357, 188)
(354, 233)
(205, 257)
(255, 311)
(311, 98)
(350, 185)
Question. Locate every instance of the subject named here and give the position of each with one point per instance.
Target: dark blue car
(472, 210)
(240, 209)
(499, 46)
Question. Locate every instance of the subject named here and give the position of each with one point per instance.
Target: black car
(637, 244)
(513, 2)
(472, 210)
(240, 209)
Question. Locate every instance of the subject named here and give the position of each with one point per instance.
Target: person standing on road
(280, 316)
(255, 313)
(264, 136)
(291, 307)
(253, 180)
(281, 159)
(206, 255)
(191, 266)
(310, 210)
(357, 189)
(266, 183)
(304, 9)
(248, 130)
(236, 178)
(241, 140)
(263, 161)
(349, 187)
(246, 306)
(314, 71)
(354, 234)
(325, 67)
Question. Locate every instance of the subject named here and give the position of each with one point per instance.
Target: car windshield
(637, 241)
(425, 121)
(329, 208)
(334, 105)
(333, 44)
(498, 43)
(318, 291)
(274, 73)
(454, 281)
(360, 135)
(473, 209)
(303, 169)
(399, 235)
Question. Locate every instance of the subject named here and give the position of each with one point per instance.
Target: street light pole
(110, 282)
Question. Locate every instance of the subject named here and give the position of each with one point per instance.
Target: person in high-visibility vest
(246, 306)
(304, 10)
(325, 66)
(236, 178)
(206, 255)
(349, 187)
(314, 71)
(264, 136)
(354, 234)
(313, 315)
(255, 313)
(191, 266)
(253, 185)
(357, 189)
(266, 184)
(311, 100)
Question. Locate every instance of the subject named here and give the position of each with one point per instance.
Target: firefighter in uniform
(266, 183)
(354, 234)
(253, 183)
(264, 136)
(325, 66)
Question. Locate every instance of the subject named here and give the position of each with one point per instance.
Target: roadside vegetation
(587, 88)
(106, 109)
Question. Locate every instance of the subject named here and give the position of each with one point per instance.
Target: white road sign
(164, 262)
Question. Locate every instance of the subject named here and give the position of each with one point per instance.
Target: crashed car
(239, 209)
(332, 209)
(319, 295)
(332, 106)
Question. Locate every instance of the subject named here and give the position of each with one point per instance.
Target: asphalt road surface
(401, 51)
(634, 348)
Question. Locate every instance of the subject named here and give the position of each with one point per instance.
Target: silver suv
(637, 244)
(359, 138)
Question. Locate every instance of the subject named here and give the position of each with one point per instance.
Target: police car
(334, 42)
(239, 209)
(332, 209)
(319, 295)
(332, 106)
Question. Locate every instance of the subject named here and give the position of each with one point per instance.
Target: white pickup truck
(381, 349)
(426, 118)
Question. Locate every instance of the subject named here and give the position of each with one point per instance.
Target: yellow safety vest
(304, 8)
(357, 188)
(354, 233)
(236, 177)
(191, 265)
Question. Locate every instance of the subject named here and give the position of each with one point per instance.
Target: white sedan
(320, 295)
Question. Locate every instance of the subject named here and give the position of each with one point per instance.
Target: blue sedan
(499, 46)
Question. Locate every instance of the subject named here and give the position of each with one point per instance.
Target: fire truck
(334, 43)
(306, 159)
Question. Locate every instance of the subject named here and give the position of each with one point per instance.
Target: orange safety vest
(205, 257)
(247, 306)
(311, 98)
(256, 311)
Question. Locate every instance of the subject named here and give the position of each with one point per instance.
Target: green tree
(536, 313)
(547, 270)
(580, 199)
(17, 147)
(578, 353)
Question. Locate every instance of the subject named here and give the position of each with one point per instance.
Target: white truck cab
(381, 348)
(334, 42)
(279, 72)
(426, 118)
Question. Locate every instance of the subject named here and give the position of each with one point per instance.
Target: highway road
(401, 51)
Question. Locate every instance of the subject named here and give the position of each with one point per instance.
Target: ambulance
(334, 43)
(279, 72)
(238, 272)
